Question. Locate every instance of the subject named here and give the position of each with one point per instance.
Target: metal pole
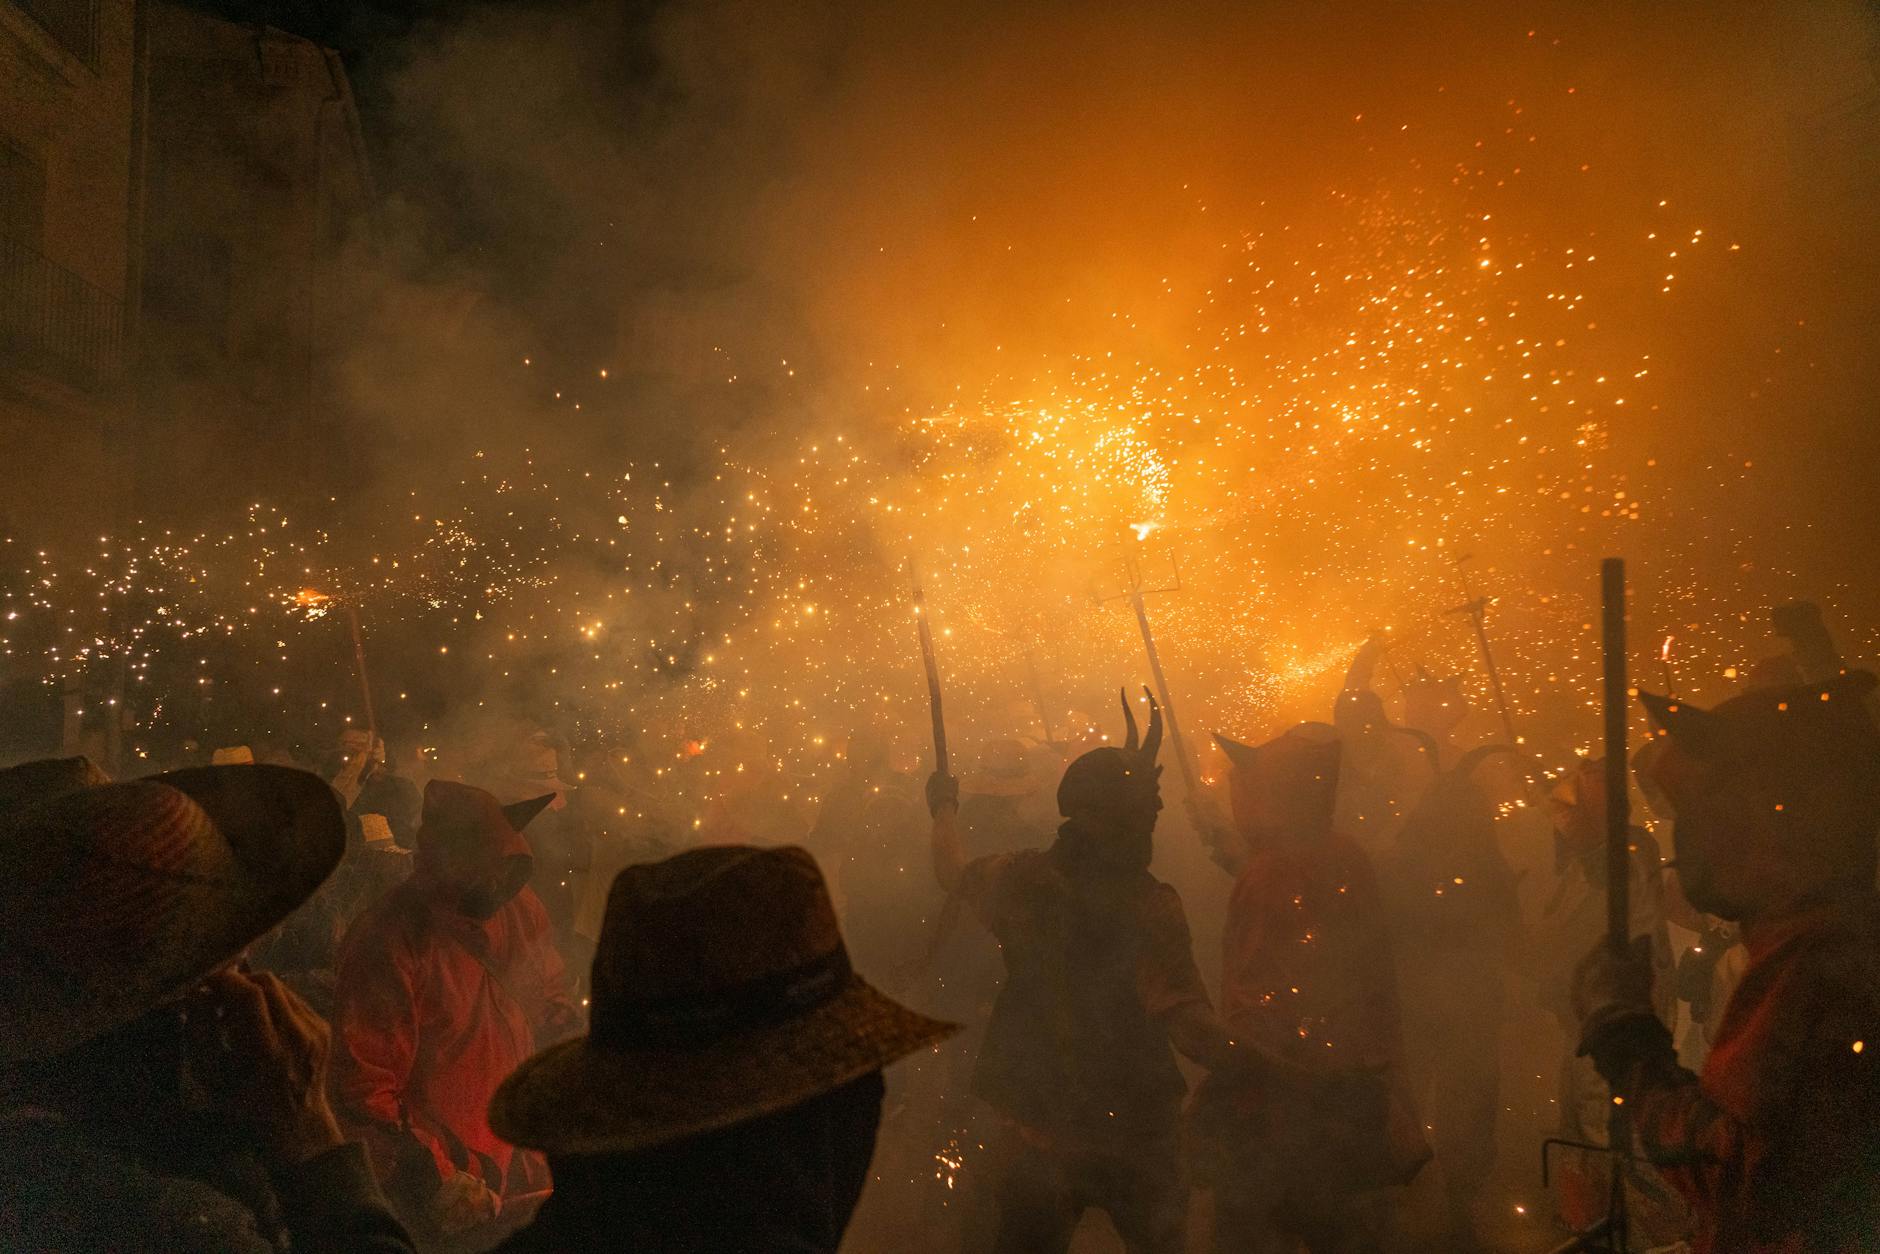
(1037, 695)
(1618, 801)
(933, 674)
(1476, 615)
(359, 663)
(1477, 610)
(1161, 682)
(1618, 849)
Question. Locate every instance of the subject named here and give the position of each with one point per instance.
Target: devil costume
(1100, 991)
(1776, 1146)
(1306, 977)
(444, 987)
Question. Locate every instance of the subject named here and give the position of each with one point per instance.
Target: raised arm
(1362, 672)
(1218, 833)
(1786, 1116)
(949, 847)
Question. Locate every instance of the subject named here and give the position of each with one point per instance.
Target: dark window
(74, 23)
(22, 196)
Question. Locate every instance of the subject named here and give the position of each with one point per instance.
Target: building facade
(71, 88)
(257, 200)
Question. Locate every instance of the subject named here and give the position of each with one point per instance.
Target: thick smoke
(970, 285)
(769, 222)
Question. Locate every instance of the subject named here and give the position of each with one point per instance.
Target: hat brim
(286, 832)
(580, 1098)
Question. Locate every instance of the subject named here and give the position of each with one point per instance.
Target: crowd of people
(254, 1006)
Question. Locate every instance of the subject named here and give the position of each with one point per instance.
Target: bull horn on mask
(1130, 742)
(1152, 743)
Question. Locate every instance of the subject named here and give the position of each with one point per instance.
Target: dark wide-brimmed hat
(117, 898)
(722, 992)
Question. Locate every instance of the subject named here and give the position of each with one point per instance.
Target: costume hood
(1289, 784)
(465, 834)
(1779, 787)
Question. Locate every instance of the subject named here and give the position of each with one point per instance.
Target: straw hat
(530, 768)
(118, 898)
(722, 992)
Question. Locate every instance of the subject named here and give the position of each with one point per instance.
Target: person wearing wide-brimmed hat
(1776, 1146)
(727, 1094)
(444, 986)
(152, 1095)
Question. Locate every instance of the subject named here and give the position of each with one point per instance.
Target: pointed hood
(465, 834)
(1777, 791)
(1289, 785)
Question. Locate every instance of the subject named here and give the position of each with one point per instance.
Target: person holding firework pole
(1100, 992)
(1776, 1146)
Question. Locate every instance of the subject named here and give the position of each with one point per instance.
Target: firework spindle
(1477, 610)
(1618, 846)
(359, 663)
(1161, 682)
(933, 675)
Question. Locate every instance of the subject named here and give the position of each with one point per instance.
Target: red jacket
(1777, 1145)
(1307, 977)
(426, 1029)
(1305, 958)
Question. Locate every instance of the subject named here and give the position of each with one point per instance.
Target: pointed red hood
(465, 833)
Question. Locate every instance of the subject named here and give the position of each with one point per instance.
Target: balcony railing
(54, 322)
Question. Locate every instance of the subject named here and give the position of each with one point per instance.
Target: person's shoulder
(1815, 986)
(526, 914)
(1162, 904)
(1839, 954)
(995, 877)
(1019, 861)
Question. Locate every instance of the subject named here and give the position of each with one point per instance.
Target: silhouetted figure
(1777, 1145)
(1100, 990)
(727, 1094)
(1383, 768)
(1307, 978)
(1453, 911)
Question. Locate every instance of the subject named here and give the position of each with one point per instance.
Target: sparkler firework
(1357, 391)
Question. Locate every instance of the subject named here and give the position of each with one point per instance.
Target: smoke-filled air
(730, 407)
